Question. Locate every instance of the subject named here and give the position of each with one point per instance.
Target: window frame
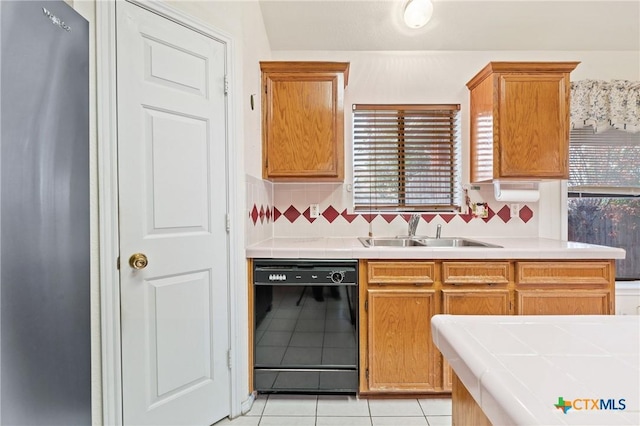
(427, 132)
(598, 209)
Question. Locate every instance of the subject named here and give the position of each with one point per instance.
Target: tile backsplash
(283, 210)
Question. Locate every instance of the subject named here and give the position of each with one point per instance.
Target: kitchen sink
(422, 242)
(391, 242)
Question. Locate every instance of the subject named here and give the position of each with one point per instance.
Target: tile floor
(327, 410)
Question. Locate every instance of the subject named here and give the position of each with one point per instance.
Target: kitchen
(415, 71)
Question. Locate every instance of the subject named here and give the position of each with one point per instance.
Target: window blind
(406, 157)
(604, 163)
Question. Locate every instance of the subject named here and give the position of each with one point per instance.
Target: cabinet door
(562, 302)
(533, 126)
(401, 352)
(480, 301)
(303, 126)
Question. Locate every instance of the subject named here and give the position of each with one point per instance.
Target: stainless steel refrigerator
(44, 215)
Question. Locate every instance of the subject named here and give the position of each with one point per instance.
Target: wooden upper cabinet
(303, 120)
(520, 121)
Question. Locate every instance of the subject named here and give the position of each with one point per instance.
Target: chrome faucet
(413, 224)
(438, 230)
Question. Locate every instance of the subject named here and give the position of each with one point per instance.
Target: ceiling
(375, 25)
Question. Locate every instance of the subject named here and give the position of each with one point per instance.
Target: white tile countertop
(519, 368)
(352, 248)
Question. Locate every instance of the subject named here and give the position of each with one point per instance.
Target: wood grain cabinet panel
(303, 120)
(401, 272)
(563, 302)
(565, 287)
(401, 348)
(595, 273)
(475, 273)
(520, 121)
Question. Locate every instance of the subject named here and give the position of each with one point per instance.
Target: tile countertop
(519, 377)
(352, 248)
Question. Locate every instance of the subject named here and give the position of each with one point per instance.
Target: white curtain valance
(606, 104)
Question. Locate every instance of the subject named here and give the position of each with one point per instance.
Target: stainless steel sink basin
(422, 242)
(455, 242)
(390, 242)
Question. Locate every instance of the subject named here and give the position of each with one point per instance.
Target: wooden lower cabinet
(402, 355)
(398, 299)
(565, 287)
(563, 302)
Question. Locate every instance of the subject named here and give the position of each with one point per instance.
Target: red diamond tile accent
(254, 214)
(330, 214)
(447, 217)
(369, 217)
(262, 214)
(466, 217)
(292, 214)
(307, 215)
(428, 217)
(348, 217)
(268, 214)
(526, 214)
(276, 214)
(505, 214)
(490, 215)
(406, 217)
(389, 217)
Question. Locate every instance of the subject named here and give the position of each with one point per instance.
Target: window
(406, 157)
(604, 193)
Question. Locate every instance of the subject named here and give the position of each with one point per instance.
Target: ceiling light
(417, 13)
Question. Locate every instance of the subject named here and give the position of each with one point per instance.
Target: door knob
(138, 261)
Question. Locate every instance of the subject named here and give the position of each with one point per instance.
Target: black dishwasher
(306, 316)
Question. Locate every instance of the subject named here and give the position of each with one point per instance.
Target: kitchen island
(542, 370)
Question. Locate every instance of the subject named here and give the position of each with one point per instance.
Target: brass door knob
(138, 261)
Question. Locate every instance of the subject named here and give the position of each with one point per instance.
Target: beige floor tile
(290, 405)
(399, 421)
(439, 420)
(395, 408)
(258, 406)
(339, 405)
(287, 421)
(436, 406)
(343, 421)
(239, 421)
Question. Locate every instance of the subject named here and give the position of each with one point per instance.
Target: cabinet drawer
(475, 273)
(401, 272)
(598, 273)
(563, 302)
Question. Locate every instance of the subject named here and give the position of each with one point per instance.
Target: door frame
(108, 222)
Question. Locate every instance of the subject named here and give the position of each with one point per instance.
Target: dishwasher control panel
(279, 271)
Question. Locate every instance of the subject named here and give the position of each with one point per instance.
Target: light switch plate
(515, 210)
(314, 211)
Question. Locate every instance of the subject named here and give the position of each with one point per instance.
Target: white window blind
(604, 163)
(406, 157)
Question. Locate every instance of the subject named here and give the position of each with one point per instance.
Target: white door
(173, 209)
